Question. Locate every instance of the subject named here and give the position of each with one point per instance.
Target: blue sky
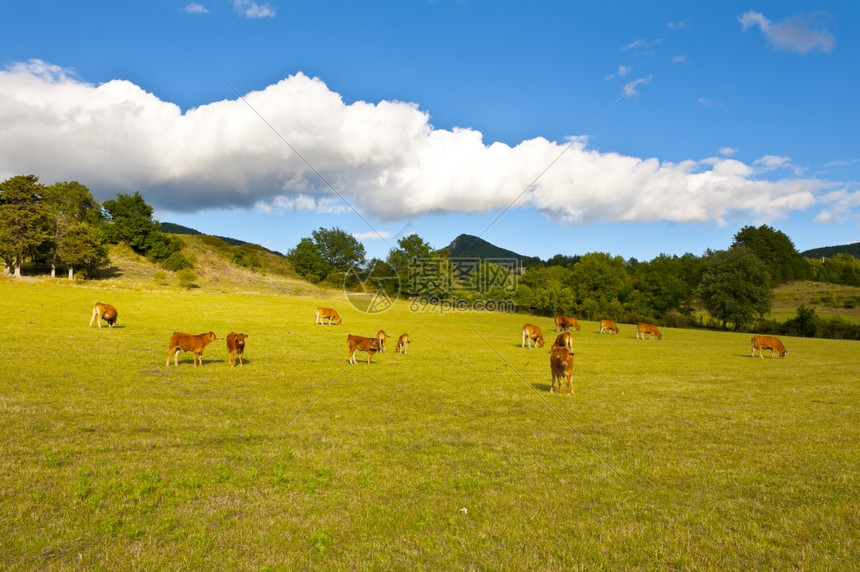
(633, 128)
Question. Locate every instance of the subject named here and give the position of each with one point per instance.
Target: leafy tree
(663, 284)
(409, 258)
(70, 204)
(331, 252)
(736, 287)
(601, 280)
(308, 261)
(24, 221)
(776, 250)
(80, 247)
(338, 248)
(842, 268)
(132, 221)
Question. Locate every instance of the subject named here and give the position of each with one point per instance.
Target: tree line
(63, 226)
(734, 286)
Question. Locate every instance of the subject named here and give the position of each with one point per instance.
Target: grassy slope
(788, 297)
(684, 453)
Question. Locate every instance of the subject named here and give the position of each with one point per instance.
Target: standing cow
(104, 312)
(532, 333)
(402, 344)
(188, 343)
(363, 344)
(775, 346)
(561, 365)
(327, 314)
(236, 348)
(563, 340)
(563, 323)
(653, 332)
(608, 326)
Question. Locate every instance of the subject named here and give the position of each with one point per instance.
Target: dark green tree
(24, 220)
(81, 248)
(307, 261)
(776, 250)
(736, 287)
(411, 256)
(600, 284)
(69, 204)
(131, 221)
(339, 249)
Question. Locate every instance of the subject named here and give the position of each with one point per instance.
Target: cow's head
(540, 341)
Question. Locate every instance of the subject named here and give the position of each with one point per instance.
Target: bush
(186, 277)
(176, 261)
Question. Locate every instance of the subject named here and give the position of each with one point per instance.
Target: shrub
(186, 277)
(177, 261)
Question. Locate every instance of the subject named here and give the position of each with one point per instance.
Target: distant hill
(173, 228)
(469, 246)
(829, 251)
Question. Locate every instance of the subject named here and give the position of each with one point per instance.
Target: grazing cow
(188, 343)
(382, 336)
(326, 313)
(642, 328)
(563, 340)
(608, 325)
(561, 365)
(236, 348)
(402, 344)
(563, 324)
(104, 312)
(362, 344)
(768, 343)
(532, 333)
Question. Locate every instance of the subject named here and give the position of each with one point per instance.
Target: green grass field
(680, 454)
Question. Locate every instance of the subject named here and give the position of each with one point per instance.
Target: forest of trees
(734, 286)
(61, 226)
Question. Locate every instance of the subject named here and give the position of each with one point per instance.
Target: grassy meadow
(684, 453)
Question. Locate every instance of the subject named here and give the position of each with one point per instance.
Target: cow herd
(561, 351)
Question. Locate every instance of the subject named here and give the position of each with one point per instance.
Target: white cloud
(631, 88)
(709, 102)
(372, 235)
(622, 71)
(801, 35)
(727, 151)
(195, 8)
(841, 206)
(641, 44)
(384, 158)
(251, 9)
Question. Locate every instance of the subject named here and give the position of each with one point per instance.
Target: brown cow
(188, 343)
(360, 343)
(642, 328)
(326, 313)
(563, 324)
(532, 333)
(563, 340)
(382, 336)
(402, 344)
(561, 365)
(608, 325)
(768, 343)
(104, 312)
(236, 348)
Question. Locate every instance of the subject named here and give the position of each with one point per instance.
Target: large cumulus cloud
(297, 144)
